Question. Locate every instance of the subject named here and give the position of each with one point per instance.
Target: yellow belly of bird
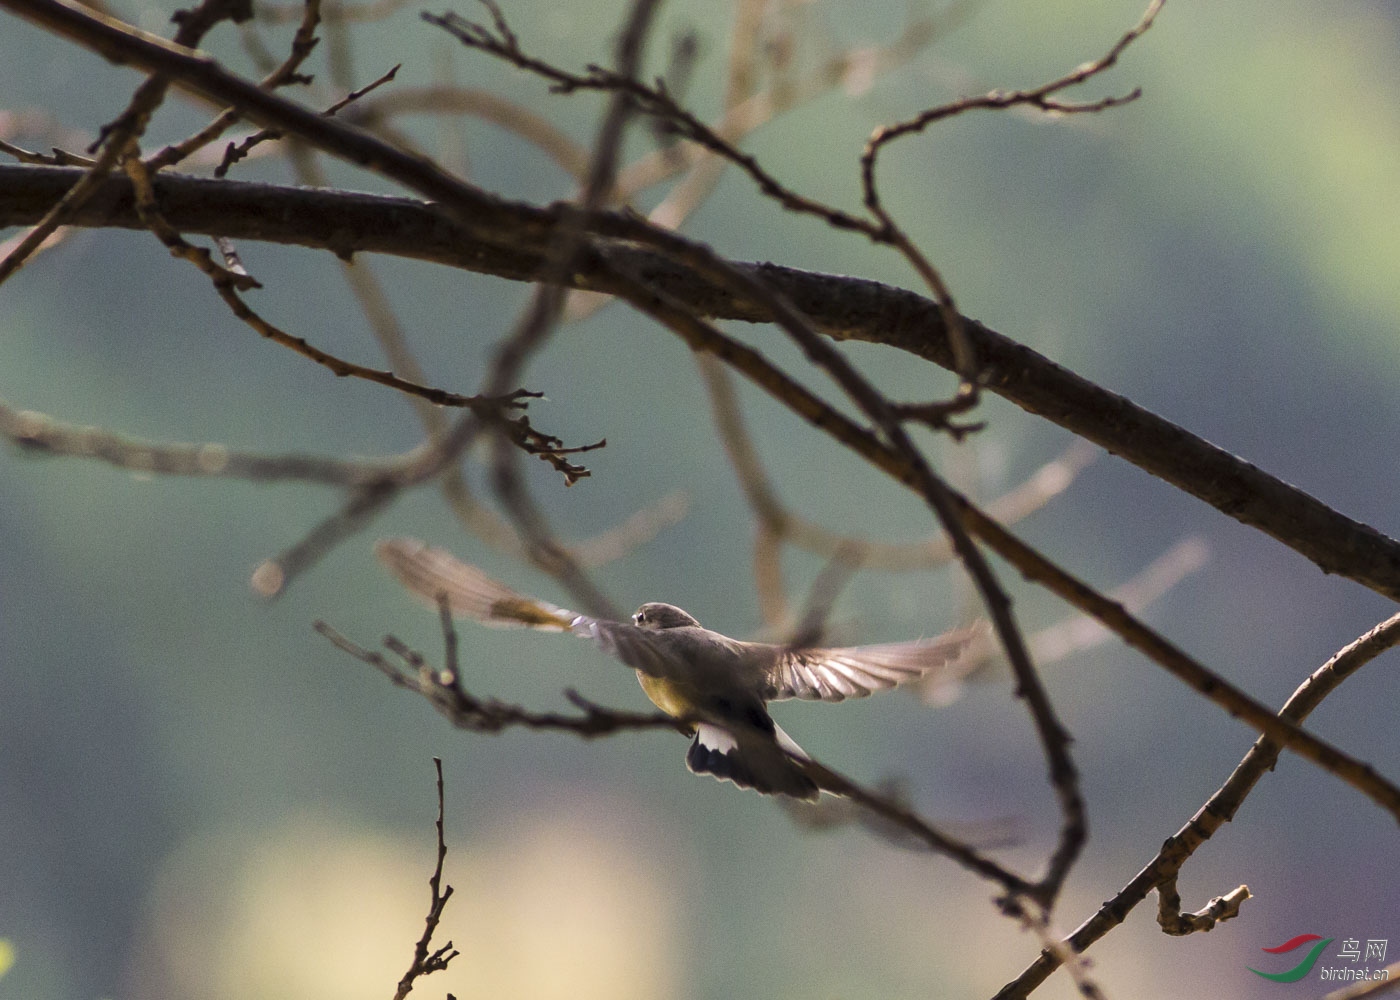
(666, 696)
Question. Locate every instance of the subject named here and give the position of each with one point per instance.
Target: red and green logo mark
(1302, 968)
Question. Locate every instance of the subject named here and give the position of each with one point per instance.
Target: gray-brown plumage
(719, 685)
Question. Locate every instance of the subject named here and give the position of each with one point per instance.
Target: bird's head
(659, 616)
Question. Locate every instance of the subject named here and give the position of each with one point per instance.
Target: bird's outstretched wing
(854, 672)
(428, 573)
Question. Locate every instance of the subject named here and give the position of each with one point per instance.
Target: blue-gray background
(198, 797)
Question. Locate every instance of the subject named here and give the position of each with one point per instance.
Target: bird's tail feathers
(758, 761)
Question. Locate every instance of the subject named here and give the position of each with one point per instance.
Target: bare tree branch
(425, 962)
(1218, 810)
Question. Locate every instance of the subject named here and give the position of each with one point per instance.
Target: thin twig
(240, 150)
(445, 691)
(424, 962)
(1041, 97)
(303, 43)
(228, 282)
(746, 108)
(965, 360)
(499, 41)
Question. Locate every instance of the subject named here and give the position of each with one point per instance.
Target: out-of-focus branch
(1389, 983)
(41, 435)
(1078, 632)
(1156, 578)
(371, 484)
(777, 524)
(1046, 483)
(500, 111)
(338, 10)
(841, 307)
(640, 527)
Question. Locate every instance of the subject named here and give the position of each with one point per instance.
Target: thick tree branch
(842, 307)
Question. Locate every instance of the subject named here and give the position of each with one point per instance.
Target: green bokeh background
(198, 797)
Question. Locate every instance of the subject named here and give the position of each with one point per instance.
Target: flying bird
(717, 685)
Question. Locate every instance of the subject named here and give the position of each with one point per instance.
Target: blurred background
(199, 797)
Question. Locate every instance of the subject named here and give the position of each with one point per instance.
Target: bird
(716, 686)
